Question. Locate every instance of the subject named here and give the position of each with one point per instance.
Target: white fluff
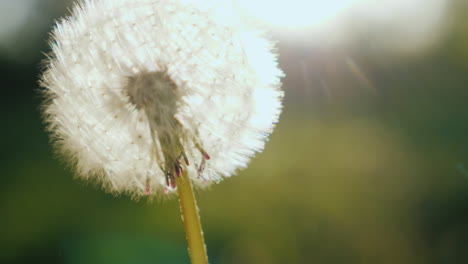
(133, 85)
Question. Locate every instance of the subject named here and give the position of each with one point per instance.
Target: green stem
(191, 219)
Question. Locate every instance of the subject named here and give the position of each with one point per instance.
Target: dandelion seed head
(137, 91)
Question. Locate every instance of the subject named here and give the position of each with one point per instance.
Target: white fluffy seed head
(139, 90)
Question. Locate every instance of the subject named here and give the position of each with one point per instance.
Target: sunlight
(293, 14)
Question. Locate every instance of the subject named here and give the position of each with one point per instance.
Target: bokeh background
(369, 163)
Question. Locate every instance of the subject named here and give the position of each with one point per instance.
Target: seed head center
(155, 93)
(157, 96)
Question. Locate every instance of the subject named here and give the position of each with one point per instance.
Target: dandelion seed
(139, 91)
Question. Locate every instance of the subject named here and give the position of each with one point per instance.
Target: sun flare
(293, 14)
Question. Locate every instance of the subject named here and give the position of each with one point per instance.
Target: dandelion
(147, 97)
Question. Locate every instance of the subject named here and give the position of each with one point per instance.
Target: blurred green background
(369, 163)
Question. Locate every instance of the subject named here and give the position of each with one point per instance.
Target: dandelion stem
(191, 218)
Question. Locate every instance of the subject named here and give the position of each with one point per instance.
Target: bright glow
(293, 14)
(404, 25)
(407, 26)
